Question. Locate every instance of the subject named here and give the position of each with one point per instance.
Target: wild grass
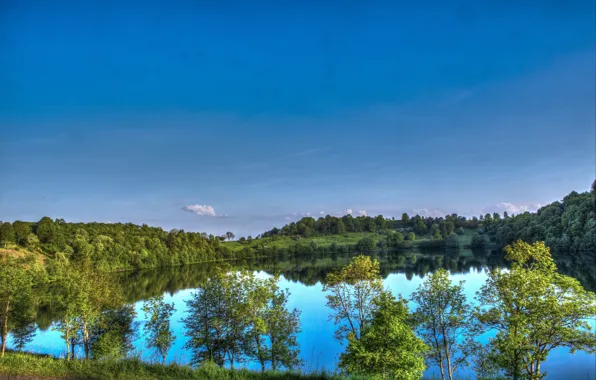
(47, 367)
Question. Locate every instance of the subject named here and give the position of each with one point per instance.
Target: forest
(567, 227)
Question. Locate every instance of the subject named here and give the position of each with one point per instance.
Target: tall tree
(16, 281)
(23, 334)
(387, 348)
(86, 293)
(534, 309)
(114, 333)
(21, 230)
(405, 219)
(272, 328)
(157, 326)
(352, 291)
(445, 321)
(7, 234)
(217, 320)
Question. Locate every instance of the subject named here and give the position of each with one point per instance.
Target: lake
(304, 277)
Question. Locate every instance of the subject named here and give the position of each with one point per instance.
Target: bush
(365, 244)
(478, 241)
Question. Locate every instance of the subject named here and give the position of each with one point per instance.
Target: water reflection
(304, 276)
(309, 270)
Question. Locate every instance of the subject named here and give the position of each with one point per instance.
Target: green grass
(286, 241)
(47, 367)
(32, 366)
(349, 238)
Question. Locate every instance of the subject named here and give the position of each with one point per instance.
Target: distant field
(321, 241)
(350, 238)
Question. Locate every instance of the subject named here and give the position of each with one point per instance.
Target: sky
(217, 117)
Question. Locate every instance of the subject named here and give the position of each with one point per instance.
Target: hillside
(567, 226)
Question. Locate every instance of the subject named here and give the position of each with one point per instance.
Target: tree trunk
(5, 328)
(86, 340)
(449, 370)
(67, 340)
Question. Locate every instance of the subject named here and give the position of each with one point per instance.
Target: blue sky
(254, 116)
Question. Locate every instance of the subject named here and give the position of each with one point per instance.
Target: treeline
(568, 226)
(112, 247)
(332, 225)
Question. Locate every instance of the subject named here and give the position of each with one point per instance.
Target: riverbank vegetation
(235, 318)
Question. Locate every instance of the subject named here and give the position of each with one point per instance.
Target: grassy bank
(346, 239)
(20, 365)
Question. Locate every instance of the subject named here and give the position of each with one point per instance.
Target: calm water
(303, 276)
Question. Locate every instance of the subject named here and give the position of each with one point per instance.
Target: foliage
(114, 333)
(568, 226)
(353, 290)
(272, 329)
(111, 247)
(534, 309)
(445, 321)
(366, 244)
(157, 327)
(236, 316)
(387, 348)
(23, 334)
(7, 234)
(478, 241)
(86, 294)
(17, 276)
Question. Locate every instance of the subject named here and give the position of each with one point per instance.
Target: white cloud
(203, 210)
(348, 211)
(435, 213)
(511, 208)
(322, 213)
(362, 212)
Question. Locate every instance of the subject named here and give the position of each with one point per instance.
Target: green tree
(460, 231)
(21, 230)
(272, 328)
(452, 241)
(446, 322)
(420, 226)
(352, 291)
(23, 335)
(411, 236)
(7, 234)
(405, 219)
(114, 333)
(157, 326)
(45, 230)
(86, 293)
(17, 277)
(534, 309)
(366, 244)
(478, 241)
(217, 320)
(387, 348)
